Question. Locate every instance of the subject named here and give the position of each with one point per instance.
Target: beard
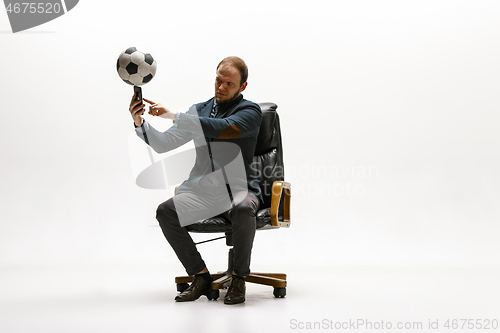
(227, 101)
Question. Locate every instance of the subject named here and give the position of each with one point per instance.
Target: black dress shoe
(236, 292)
(199, 287)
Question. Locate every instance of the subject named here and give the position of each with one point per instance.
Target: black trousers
(242, 218)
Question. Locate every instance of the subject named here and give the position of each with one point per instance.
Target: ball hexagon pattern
(136, 67)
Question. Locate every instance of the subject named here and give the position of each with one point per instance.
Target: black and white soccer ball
(136, 67)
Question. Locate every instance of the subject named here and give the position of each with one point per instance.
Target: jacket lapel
(207, 109)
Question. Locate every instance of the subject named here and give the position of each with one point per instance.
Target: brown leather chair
(274, 214)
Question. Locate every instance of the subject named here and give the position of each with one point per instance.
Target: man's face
(227, 84)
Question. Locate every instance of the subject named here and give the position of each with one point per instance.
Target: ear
(243, 86)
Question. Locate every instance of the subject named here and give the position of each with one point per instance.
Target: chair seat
(220, 224)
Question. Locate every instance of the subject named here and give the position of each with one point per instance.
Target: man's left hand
(157, 109)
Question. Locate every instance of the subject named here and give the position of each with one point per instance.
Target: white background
(398, 100)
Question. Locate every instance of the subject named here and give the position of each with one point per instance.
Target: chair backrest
(268, 158)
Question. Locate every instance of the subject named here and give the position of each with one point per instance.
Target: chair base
(223, 280)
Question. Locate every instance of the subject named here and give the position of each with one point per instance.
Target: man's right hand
(137, 109)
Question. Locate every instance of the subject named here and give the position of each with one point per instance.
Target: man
(214, 186)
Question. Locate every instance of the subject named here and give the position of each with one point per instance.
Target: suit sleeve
(162, 142)
(244, 123)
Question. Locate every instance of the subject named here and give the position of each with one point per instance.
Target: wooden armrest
(276, 197)
(176, 188)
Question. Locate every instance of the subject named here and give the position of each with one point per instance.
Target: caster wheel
(212, 295)
(182, 286)
(279, 292)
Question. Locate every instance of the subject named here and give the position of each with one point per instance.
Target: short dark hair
(239, 64)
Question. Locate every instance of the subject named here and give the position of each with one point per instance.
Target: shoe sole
(232, 303)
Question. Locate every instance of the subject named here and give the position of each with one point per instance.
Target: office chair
(274, 214)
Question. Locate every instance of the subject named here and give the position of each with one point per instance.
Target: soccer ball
(136, 67)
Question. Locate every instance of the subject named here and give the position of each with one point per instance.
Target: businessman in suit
(224, 129)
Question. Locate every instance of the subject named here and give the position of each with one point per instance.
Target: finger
(133, 97)
(149, 101)
(134, 104)
(137, 109)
